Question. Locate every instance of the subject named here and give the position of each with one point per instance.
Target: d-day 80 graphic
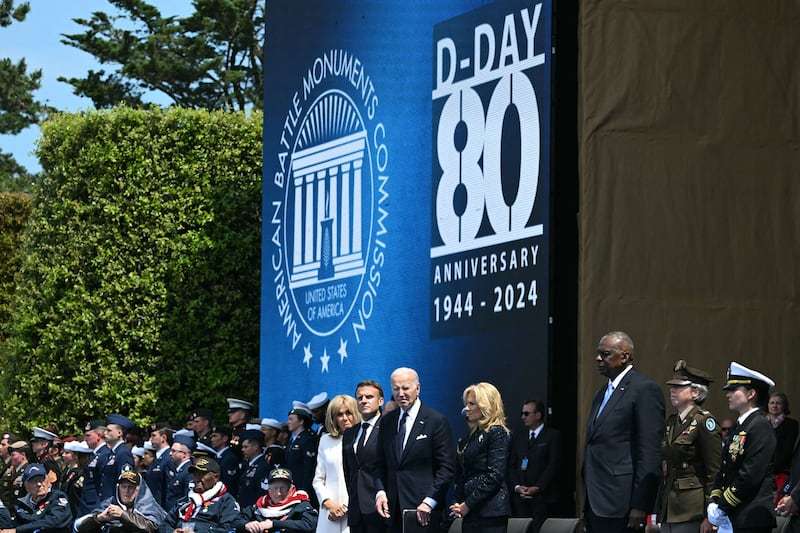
(490, 146)
(405, 195)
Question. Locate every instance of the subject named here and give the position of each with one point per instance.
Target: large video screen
(406, 211)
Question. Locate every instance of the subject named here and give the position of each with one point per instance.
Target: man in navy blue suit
(622, 460)
(416, 458)
(360, 448)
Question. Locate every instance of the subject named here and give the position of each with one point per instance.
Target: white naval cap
(43, 434)
(234, 404)
(138, 451)
(297, 404)
(77, 446)
(318, 400)
(271, 423)
(739, 375)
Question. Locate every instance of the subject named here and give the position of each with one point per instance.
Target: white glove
(718, 518)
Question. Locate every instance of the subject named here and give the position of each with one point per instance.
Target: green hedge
(139, 289)
(14, 211)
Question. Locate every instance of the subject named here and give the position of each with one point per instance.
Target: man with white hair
(42, 508)
(131, 510)
(416, 457)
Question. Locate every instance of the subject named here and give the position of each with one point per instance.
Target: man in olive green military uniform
(9, 472)
(692, 448)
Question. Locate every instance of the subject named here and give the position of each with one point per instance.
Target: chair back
(560, 525)
(519, 525)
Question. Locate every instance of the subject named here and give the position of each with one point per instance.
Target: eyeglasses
(726, 428)
(527, 413)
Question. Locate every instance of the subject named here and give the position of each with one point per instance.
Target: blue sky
(37, 39)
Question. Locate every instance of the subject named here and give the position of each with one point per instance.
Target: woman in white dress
(329, 482)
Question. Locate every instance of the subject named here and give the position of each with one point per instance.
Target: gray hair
(702, 392)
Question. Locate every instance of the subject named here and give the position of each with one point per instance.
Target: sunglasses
(527, 413)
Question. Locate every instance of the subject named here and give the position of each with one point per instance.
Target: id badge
(524, 465)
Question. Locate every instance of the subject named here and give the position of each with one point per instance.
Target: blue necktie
(606, 396)
(401, 434)
(363, 440)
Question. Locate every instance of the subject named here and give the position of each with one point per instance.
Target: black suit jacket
(359, 472)
(426, 467)
(622, 460)
(785, 437)
(795, 477)
(543, 456)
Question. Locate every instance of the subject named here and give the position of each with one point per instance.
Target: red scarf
(187, 516)
(283, 508)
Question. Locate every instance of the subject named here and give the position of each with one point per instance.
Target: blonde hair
(489, 401)
(333, 409)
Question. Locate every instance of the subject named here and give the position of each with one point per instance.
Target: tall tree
(18, 108)
(211, 59)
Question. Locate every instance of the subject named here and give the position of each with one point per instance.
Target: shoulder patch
(711, 424)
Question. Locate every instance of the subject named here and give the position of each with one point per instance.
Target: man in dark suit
(532, 466)
(416, 458)
(360, 448)
(622, 459)
(790, 503)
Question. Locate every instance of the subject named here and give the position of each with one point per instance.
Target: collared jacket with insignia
(301, 460)
(51, 515)
(217, 516)
(119, 460)
(692, 455)
(252, 484)
(92, 473)
(743, 488)
(72, 486)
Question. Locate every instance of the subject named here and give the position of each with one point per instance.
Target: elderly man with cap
(274, 452)
(43, 509)
(209, 508)
(692, 453)
(120, 459)
(283, 508)
(132, 510)
(230, 466)
(178, 476)
(252, 483)
(301, 452)
(741, 498)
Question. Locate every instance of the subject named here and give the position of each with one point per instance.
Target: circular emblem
(329, 232)
(330, 204)
(711, 424)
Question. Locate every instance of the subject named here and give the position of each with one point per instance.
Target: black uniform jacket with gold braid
(692, 456)
(743, 488)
